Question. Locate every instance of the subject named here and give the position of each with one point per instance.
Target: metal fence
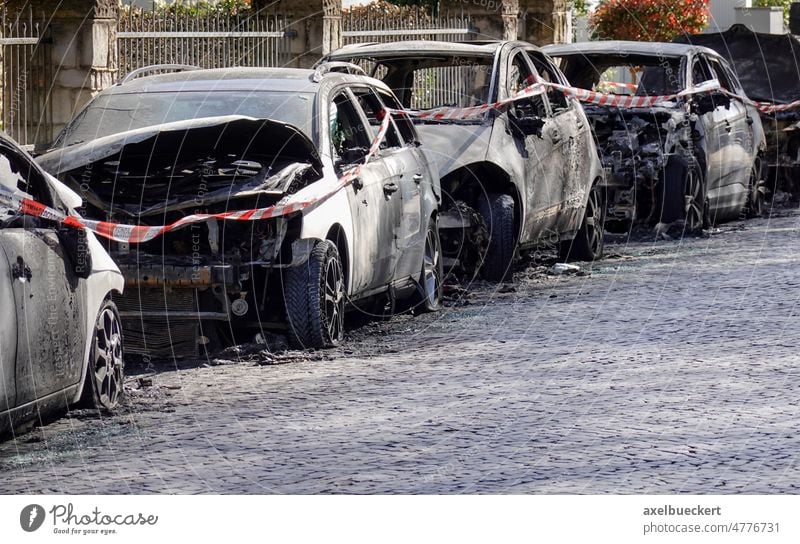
(417, 23)
(452, 85)
(26, 65)
(210, 41)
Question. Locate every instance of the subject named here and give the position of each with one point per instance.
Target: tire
(105, 372)
(756, 190)
(314, 299)
(589, 242)
(497, 211)
(429, 290)
(684, 194)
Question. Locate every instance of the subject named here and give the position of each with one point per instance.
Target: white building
(725, 13)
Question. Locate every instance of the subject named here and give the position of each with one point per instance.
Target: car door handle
(389, 188)
(728, 127)
(555, 136)
(749, 120)
(417, 178)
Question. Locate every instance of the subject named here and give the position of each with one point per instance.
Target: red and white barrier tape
(141, 233)
(135, 234)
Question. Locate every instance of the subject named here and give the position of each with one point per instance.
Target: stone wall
(83, 50)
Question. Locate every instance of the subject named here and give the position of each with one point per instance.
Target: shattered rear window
(115, 113)
(638, 75)
(431, 82)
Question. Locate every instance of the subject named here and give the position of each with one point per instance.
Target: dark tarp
(768, 65)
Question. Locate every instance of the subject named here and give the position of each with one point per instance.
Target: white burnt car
(514, 177)
(156, 149)
(692, 160)
(60, 334)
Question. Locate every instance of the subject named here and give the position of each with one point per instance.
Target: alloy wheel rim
(432, 277)
(693, 202)
(108, 362)
(334, 300)
(756, 196)
(592, 233)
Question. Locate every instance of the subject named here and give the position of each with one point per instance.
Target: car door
(738, 128)
(716, 137)
(373, 205)
(544, 159)
(572, 149)
(47, 296)
(8, 334)
(400, 190)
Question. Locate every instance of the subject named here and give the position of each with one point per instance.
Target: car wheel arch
(337, 235)
(492, 179)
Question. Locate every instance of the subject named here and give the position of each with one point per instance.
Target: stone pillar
(510, 14)
(84, 52)
(317, 24)
(546, 21)
(331, 26)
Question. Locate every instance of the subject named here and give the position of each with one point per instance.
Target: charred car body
(60, 334)
(520, 175)
(768, 66)
(694, 158)
(162, 147)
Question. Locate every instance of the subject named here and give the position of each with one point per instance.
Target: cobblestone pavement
(671, 368)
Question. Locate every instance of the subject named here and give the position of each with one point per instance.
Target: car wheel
(684, 194)
(589, 242)
(497, 211)
(429, 290)
(103, 386)
(314, 298)
(756, 190)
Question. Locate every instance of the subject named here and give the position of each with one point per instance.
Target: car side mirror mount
(352, 155)
(706, 103)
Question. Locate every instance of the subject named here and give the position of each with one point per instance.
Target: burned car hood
(187, 164)
(768, 65)
(282, 138)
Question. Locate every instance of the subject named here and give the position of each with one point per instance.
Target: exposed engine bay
(205, 279)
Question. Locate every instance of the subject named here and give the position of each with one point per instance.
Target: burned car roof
(422, 48)
(615, 47)
(228, 79)
(768, 65)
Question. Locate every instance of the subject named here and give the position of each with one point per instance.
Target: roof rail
(336, 66)
(157, 68)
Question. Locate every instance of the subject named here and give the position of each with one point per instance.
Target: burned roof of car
(421, 48)
(768, 65)
(225, 79)
(625, 47)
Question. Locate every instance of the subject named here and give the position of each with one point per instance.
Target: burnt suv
(518, 175)
(768, 65)
(692, 159)
(155, 149)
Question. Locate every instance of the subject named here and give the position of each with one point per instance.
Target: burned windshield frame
(163, 105)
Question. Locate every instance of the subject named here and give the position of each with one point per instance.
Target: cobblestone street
(671, 368)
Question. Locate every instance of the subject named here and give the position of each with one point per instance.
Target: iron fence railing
(418, 23)
(209, 41)
(26, 65)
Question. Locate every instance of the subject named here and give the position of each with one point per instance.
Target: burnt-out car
(518, 175)
(768, 66)
(61, 341)
(694, 157)
(156, 149)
